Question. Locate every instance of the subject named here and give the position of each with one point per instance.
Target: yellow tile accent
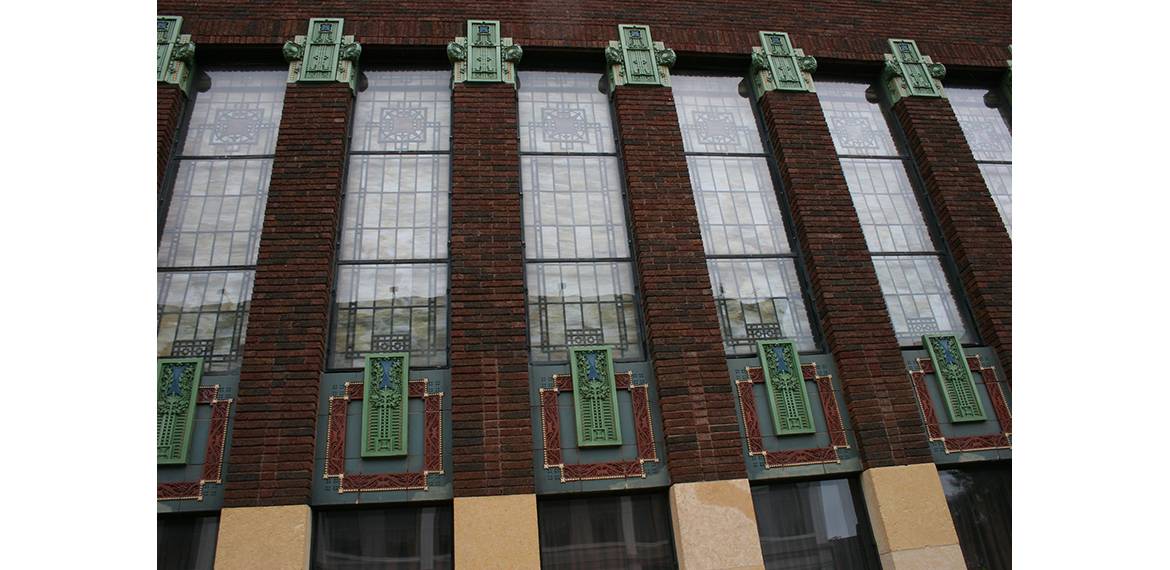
(948, 557)
(715, 526)
(496, 533)
(264, 538)
(909, 512)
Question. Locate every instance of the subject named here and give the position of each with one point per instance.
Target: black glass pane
(606, 532)
(980, 500)
(187, 543)
(813, 526)
(407, 538)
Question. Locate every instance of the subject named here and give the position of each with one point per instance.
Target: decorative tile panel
(178, 387)
(483, 56)
(968, 443)
(954, 378)
(636, 59)
(910, 74)
(384, 409)
(324, 54)
(595, 397)
(793, 457)
(787, 395)
(176, 53)
(213, 454)
(777, 66)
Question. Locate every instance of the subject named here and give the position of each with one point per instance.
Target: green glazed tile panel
(908, 73)
(178, 386)
(324, 54)
(777, 66)
(954, 378)
(483, 56)
(176, 53)
(595, 397)
(384, 405)
(636, 59)
(787, 393)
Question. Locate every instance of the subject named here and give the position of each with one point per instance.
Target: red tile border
(550, 422)
(792, 457)
(212, 459)
(968, 443)
(432, 443)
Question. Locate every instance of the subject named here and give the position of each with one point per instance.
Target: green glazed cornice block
(177, 387)
(908, 73)
(385, 405)
(954, 377)
(176, 53)
(784, 380)
(595, 397)
(324, 54)
(635, 59)
(777, 66)
(483, 56)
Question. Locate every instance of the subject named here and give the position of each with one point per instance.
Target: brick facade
(170, 113)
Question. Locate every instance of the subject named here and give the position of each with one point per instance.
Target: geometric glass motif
(563, 112)
(787, 394)
(178, 384)
(384, 406)
(716, 128)
(564, 125)
(236, 126)
(594, 397)
(403, 125)
(713, 117)
(954, 377)
(858, 127)
(855, 132)
(571, 302)
(238, 115)
(390, 307)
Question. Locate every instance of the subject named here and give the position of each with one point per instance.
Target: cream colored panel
(264, 538)
(496, 533)
(715, 526)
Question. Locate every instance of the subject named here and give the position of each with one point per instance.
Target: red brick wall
(971, 225)
(284, 354)
(699, 424)
(492, 439)
(878, 394)
(170, 112)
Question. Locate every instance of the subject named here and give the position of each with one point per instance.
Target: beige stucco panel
(948, 557)
(496, 533)
(264, 538)
(907, 508)
(715, 526)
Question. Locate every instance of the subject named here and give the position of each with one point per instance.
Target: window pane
(563, 112)
(759, 300)
(396, 207)
(857, 125)
(918, 298)
(886, 206)
(987, 133)
(216, 213)
(736, 202)
(806, 526)
(403, 111)
(187, 543)
(980, 501)
(204, 314)
(391, 308)
(713, 116)
(404, 538)
(999, 181)
(582, 304)
(573, 208)
(602, 533)
(238, 115)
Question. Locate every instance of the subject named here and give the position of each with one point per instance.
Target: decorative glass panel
(813, 525)
(238, 115)
(204, 315)
(736, 202)
(403, 111)
(582, 304)
(999, 181)
(857, 126)
(216, 213)
(987, 133)
(600, 533)
(400, 537)
(396, 207)
(573, 208)
(391, 308)
(714, 117)
(886, 206)
(759, 299)
(918, 298)
(564, 112)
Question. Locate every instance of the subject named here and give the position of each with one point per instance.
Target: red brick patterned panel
(998, 403)
(213, 452)
(751, 422)
(967, 443)
(433, 433)
(977, 442)
(355, 390)
(550, 421)
(608, 470)
(181, 490)
(643, 430)
(384, 482)
(809, 456)
(751, 418)
(335, 439)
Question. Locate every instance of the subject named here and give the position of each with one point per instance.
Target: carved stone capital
(635, 59)
(777, 66)
(324, 54)
(176, 53)
(908, 73)
(483, 56)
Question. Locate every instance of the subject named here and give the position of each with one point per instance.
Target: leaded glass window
(392, 270)
(211, 233)
(990, 139)
(754, 272)
(578, 266)
(908, 260)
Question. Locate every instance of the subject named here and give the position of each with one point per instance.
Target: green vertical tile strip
(384, 405)
(176, 53)
(954, 377)
(908, 73)
(595, 397)
(787, 394)
(178, 387)
(777, 66)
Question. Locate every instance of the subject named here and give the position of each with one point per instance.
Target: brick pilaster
(878, 395)
(699, 424)
(490, 410)
(971, 226)
(170, 112)
(273, 439)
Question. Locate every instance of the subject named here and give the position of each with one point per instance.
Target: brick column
(971, 225)
(273, 439)
(878, 395)
(699, 425)
(492, 439)
(170, 112)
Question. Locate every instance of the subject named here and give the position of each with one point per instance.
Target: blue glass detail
(947, 357)
(176, 374)
(326, 27)
(483, 29)
(776, 40)
(386, 382)
(904, 47)
(780, 357)
(635, 33)
(592, 367)
(162, 25)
